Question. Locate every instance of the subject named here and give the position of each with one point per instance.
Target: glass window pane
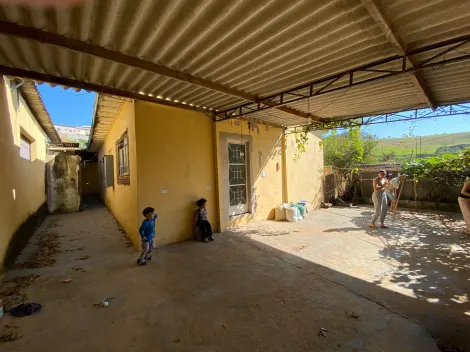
(25, 148)
(237, 195)
(236, 154)
(237, 175)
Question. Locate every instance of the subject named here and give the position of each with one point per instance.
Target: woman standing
(464, 202)
(380, 199)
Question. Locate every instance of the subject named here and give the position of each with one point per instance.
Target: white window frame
(243, 180)
(25, 147)
(122, 160)
(123, 155)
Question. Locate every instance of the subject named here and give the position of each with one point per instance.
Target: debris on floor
(352, 314)
(66, 281)
(79, 269)
(445, 346)
(47, 247)
(341, 202)
(25, 309)
(322, 332)
(104, 303)
(12, 290)
(75, 239)
(9, 333)
(85, 257)
(74, 250)
(53, 223)
(326, 205)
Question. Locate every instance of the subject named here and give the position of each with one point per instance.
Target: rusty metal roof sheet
(33, 99)
(257, 48)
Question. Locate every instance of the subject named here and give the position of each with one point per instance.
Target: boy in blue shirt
(147, 234)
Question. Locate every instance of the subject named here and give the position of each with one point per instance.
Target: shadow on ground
(429, 256)
(235, 294)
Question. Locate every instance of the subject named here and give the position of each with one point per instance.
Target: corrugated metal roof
(258, 47)
(33, 99)
(107, 109)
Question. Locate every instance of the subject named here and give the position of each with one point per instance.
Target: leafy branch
(444, 170)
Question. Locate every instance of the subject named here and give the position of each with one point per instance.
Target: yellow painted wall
(304, 177)
(175, 153)
(22, 182)
(122, 199)
(173, 158)
(265, 156)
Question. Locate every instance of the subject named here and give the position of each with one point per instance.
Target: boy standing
(147, 234)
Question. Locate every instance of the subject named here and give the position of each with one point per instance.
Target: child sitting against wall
(200, 220)
(147, 234)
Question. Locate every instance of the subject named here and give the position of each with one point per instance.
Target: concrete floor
(265, 287)
(419, 268)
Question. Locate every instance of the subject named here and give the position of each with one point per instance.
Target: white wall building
(68, 133)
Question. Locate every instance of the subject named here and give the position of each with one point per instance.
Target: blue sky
(425, 127)
(68, 107)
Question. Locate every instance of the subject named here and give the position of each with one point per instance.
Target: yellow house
(25, 128)
(168, 158)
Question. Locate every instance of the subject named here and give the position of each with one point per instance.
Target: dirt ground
(265, 287)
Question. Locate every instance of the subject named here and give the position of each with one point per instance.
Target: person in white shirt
(389, 192)
(395, 183)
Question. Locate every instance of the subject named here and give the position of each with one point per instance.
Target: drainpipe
(285, 193)
(216, 176)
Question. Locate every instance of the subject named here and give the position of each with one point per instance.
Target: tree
(349, 149)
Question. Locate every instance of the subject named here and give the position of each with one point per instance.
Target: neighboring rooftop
(77, 127)
(31, 95)
(63, 146)
(106, 110)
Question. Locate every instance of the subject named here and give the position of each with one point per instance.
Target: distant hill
(399, 149)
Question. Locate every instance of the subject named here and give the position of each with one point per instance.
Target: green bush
(447, 169)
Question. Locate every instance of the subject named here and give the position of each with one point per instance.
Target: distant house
(78, 134)
(168, 158)
(26, 129)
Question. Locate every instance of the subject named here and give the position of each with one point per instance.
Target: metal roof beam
(418, 114)
(377, 12)
(327, 81)
(36, 76)
(28, 33)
